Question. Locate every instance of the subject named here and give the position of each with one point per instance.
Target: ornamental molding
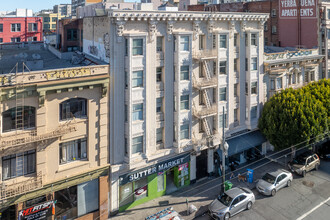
(120, 29)
(152, 29)
(123, 15)
(196, 29)
(170, 25)
(210, 28)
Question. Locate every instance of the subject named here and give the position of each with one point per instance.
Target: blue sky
(35, 5)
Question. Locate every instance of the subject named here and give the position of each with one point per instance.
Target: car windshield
(269, 178)
(225, 199)
(299, 160)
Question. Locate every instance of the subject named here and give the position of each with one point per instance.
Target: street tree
(297, 115)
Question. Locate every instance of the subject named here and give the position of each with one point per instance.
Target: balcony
(14, 189)
(205, 54)
(204, 83)
(202, 111)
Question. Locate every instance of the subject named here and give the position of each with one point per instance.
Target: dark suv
(304, 163)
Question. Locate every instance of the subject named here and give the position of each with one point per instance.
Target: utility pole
(224, 150)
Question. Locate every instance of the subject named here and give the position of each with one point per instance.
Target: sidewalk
(199, 194)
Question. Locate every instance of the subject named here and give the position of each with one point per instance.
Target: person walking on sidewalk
(232, 168)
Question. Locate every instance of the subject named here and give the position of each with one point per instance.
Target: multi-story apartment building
(172, 75)
(290, 68)
(53, 138)
(50, 21)
(81, 3)
(20, 29)
(63, 9)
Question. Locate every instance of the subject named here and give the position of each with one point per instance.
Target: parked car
(272, 182)
(231, 203)
(304, 163)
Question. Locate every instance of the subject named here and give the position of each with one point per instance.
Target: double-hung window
(223, 67)
(235, 40)
(137, 145)
(72, 34)
(137, 79)
(254, 88)
(279, 83)
(20, 164)
(223, 41)
(137, 112)
(15, 27)
(254, 63)
(184, 43)
(32, 27)
(137, 47)
(184, 102)
(159, 104)
(235, 64)
(73, 150)
(223, 94)
(184, 73)
(253, 39)
(1, 28)
(184, 131)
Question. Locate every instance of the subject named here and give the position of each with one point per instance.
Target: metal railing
(202, 83)
(201, 112)
(204, 54)
(11, 190)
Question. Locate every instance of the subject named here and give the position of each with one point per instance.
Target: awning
(243, 142)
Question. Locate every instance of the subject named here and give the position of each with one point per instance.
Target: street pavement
(307, 198)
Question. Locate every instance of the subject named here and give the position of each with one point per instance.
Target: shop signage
(290, 8)
(160, 167)
(288, 55)
(141, 190)
(38, 212)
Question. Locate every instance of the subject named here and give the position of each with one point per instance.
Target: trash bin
(250, 176)
(228, 185)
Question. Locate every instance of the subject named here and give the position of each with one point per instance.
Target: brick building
(71, 34)
(286, 27)
(20, 29)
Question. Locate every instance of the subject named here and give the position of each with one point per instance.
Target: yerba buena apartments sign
(159, 167)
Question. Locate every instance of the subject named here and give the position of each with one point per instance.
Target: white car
(271, 182)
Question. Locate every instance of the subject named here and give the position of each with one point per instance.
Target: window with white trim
(137, 79)
(159, 104)
(223, 67)
(254, 88)
(137, 112)
(73, 150)
(223, 94)
(184, 43)
(254, 63)
(137, 145)
(254, 39)
(223, 41)
(184, 73)
(184, 102)
(184, 131)
(15, 27)
(137, 47)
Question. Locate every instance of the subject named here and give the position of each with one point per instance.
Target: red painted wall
(7, 34)
(298, 29)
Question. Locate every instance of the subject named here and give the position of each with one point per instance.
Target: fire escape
(205, 84)
(21, 141)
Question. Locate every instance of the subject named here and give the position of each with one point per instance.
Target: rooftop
(34, 56)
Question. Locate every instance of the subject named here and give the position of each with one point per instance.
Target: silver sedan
(271, 182)
(231, 203)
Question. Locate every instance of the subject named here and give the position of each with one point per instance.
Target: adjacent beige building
(54, 141)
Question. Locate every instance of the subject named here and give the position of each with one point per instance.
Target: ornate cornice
(123, 15)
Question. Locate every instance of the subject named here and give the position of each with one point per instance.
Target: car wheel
(273, 192)
(303, 173)
(316, 167)
(289, 183)
(249, 206)
(227, 216)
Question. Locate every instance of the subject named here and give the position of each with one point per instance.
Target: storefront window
(160, 183)
(140, 188)
(77, 200)
(126, 194)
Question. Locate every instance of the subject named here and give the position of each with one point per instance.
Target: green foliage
(295, 116)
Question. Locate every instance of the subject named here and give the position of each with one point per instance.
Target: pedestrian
(232, 168)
